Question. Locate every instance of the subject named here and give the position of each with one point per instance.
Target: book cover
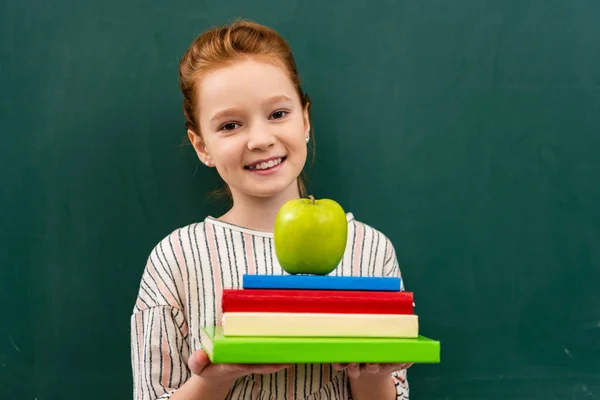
(257, 350)
(320, 282)
(317, 301)
(319, 324)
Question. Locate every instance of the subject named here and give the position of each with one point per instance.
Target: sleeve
(392, 268)
(159, 352)
(401, 384)
(159, 332)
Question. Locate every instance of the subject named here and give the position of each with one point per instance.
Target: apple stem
(312, 198)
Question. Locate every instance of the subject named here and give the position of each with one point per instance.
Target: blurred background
(467, 131)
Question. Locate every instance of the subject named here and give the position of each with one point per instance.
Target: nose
(260, 137)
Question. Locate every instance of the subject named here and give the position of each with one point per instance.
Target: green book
(275, 350)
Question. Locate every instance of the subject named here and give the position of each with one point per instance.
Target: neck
(258, 213)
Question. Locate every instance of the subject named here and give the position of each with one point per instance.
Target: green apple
(310, 236)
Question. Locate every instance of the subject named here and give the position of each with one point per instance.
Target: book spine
(317, 301)
(319, 325)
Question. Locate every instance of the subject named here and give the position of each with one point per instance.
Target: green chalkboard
(467, 131)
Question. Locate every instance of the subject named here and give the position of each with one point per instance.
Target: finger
(395, 367)
(339, 366)
(353, 370)
(198, 361)
(267, 368)
(372, 368)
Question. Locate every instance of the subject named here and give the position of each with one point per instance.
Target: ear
(306, 116)
(199, 146)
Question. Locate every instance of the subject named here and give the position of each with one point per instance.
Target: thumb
(198, 361)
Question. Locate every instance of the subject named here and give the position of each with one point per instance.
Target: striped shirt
(180, 291)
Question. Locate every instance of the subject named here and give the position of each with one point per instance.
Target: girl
(247, 116)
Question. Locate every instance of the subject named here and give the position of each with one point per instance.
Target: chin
(264, 193)
(269, 190)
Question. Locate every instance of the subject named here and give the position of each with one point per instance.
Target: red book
(317, 301)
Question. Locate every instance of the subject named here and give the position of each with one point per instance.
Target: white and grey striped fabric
(180, 291)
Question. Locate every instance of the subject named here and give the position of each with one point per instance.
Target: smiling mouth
(265, 164)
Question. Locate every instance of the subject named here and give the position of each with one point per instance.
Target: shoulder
(367, 234)
(162, 282)
(374, 246)
(179, 244)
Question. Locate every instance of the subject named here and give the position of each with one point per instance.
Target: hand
(226, 374)
(356, 370)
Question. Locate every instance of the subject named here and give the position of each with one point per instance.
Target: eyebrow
(232, 111)
(277, 99)
(224, 114)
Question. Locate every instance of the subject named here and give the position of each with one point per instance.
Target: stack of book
(318, 319)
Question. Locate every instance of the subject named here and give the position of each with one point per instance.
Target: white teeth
(265, 165)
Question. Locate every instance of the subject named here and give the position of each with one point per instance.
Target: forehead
(243, 83)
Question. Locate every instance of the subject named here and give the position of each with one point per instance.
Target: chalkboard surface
(467, 131)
